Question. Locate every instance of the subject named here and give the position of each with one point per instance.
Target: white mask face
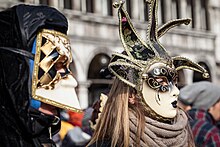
(164, 103)
(63, 93)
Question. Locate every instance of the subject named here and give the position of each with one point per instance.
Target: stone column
(189, 12)
(83, 6)
(61, 4)
(173, 9)
(168, 11)
(214, 10)
(105, 7)
(76, 5)
(159, 13)
(98, 6)
(141, 10)
(183, 9)
(197, 14)
(189, 76)
(36, 1)
(83, 94)
(134, 9)
(54, 3)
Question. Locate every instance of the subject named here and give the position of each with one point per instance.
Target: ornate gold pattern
(132, 65)
(158, 76)
(56, 104)
(55, 49)
(51, 47)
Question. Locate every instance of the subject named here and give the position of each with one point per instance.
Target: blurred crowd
(75, 129)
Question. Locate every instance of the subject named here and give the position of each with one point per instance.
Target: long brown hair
(114, 120)
(113, 125)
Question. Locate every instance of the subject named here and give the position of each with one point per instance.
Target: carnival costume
(132, 66)
(147, 67)
(33, 47)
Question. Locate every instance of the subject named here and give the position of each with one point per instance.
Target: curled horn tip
(148, 1)
(117, 5)
(188, 21)
(206, 75)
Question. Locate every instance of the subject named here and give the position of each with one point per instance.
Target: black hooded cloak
(20, 125)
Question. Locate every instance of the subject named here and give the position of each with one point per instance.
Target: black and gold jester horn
(138, 55)
(178, 61)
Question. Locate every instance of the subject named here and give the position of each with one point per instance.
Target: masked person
(141, 109)
(35, 80)
(204, 99)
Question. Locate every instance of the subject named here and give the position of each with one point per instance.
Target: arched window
(198, 76)
(99, 84)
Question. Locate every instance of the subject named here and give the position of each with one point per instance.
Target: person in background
(185, 106)
(204, 100)
(35, 80)
(86, 125)
(71, 133)
(76, 118)
(141, 107)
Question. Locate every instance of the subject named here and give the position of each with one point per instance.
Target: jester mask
(52, 80)
(36, 35)
(146, 65)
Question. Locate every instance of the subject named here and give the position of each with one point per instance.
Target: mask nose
(69, 81)
(175, 92)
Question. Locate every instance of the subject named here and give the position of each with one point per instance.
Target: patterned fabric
(204, 128)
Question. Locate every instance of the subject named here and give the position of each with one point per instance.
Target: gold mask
(53, 82)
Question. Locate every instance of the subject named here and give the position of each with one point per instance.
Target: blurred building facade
(93, 31)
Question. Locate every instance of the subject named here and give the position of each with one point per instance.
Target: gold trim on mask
(139, 55)
(56, 104)
(45, 80)
(52, 47)
(133, 64)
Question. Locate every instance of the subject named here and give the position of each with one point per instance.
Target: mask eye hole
(59, 66)
(163, 81)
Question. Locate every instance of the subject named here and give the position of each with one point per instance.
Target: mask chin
(63, 94)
